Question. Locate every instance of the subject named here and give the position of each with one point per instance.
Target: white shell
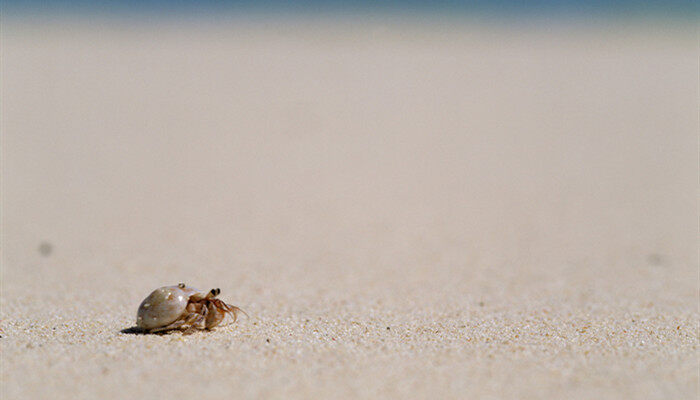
(163, 306)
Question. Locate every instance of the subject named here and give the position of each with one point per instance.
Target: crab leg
(174, 325)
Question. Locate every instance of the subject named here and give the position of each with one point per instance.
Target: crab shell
(164, 306)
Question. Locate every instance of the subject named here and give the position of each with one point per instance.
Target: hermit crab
(183, 308)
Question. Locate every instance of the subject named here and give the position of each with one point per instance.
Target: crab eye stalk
(181, 285)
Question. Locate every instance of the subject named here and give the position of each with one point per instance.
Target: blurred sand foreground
(453, 210)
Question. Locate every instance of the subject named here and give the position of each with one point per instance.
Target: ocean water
(684, 9)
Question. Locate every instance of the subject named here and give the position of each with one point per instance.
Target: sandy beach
(443, 210)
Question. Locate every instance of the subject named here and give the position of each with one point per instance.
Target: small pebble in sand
(45, 249)
(183, 308)
(655, 259)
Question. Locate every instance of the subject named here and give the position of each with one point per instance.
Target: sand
(406, 209)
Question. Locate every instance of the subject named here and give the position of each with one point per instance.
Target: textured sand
(451, 210)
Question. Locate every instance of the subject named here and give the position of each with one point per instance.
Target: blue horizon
(672, 8)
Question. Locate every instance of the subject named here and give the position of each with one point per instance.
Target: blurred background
(437, 139)
(429, 199)
(445, 143)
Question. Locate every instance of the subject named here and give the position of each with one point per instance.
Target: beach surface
(444, 210)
